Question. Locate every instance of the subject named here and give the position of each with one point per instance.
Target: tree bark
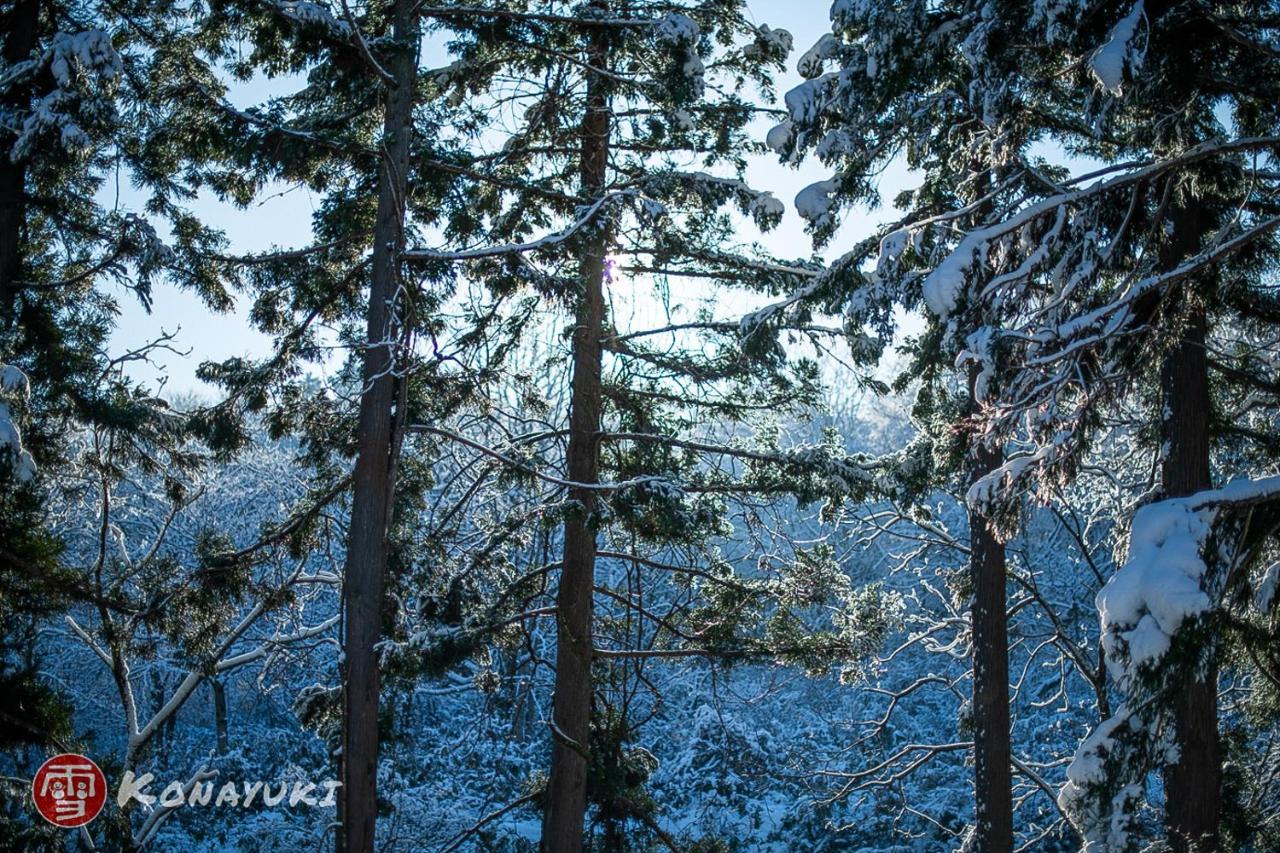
(21, 29)
(1193, 785)
(566, 798)
(993, 780)
(372, 484)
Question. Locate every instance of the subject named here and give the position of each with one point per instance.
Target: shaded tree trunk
(993, 780)
(372, 484)
(566, 798)
(1193, 797)
(21, 30)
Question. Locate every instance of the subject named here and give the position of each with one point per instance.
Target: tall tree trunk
(219, 715)
(566, 802)
(993, 781)
(21, 30)
(1193, 785)
(372, 485)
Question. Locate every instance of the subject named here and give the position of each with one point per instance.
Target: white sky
(284, 220)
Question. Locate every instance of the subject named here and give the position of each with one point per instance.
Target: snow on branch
(85, 69)
(1171, 579)
(943, 288)
(1162, 585)
(147, 832)
(551, 240)
(314, 15)
(1120, 56)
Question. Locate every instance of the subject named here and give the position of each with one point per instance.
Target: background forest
(694, 425)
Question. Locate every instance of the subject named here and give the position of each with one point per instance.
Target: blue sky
(282, 219)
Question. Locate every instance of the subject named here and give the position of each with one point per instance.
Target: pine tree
(374, 478)
(897, 91)
(351, 132)
(613, 100)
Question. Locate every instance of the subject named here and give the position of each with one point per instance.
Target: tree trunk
(372, 485)
(21, 29)
(219, 715)
(566, 798)
(1193, 785)
(993, 781)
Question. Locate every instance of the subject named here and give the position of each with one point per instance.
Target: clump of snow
(1108, 63)
(71, 54)
(154, 250)
(14, 384)
(766, 210)
(1161, 585)
(680, 33)
(693, 66)
(651, 209)
(1054, 17)
(779, 136)
(942, 287)
(1158, 588)
(677, 28)
(770, 43)
(1003, 482)
(892, 245)
(816, 202)
(1086, 766)
(778, 39)
(14, 381)
(978, 349)
(1104, 823)
(834, 143)
(813, 59)
(805, 102)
